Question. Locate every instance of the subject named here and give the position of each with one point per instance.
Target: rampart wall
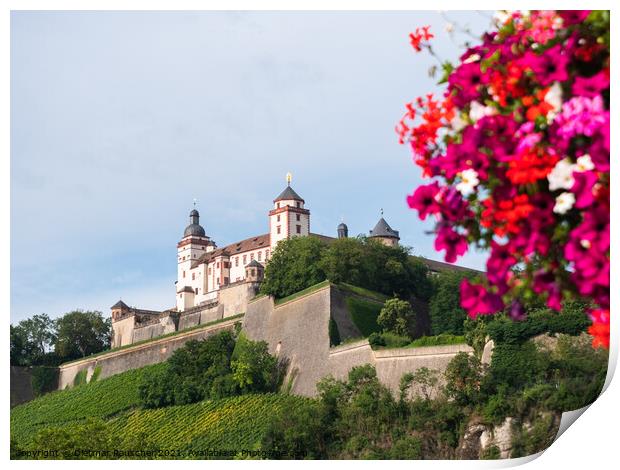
(137, 356)
(298, 331)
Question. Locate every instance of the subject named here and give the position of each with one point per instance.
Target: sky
(119, 120)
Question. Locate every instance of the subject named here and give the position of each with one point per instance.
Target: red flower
(421, 34)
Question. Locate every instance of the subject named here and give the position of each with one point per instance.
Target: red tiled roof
(249, 244)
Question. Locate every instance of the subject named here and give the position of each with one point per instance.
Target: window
(266, 254)
(298, 228)
(225, 281)
(183, 274)
(218, 265)
(259, 255)
(278, 229)
(244, 259)
(209, 271)
(278, 205)
(196, 290)
(193, 276)
(298, 217)
(298, 204)
(236, 261)
(251, 256)
(218, 281)
(278, 218)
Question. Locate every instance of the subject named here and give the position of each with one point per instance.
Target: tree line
(43, 341)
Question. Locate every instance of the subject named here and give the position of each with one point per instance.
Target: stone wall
(137, 356)
(235, 297)
(122, 331)
(21, 385)
(298, 331)
(164, 326)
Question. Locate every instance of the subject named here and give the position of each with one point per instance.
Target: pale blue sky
(120, 119)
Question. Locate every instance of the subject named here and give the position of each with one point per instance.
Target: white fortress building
(215, 283)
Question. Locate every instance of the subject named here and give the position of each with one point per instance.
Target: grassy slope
(364, 314)
(235, 423)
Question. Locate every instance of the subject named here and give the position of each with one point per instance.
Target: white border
(592, 443)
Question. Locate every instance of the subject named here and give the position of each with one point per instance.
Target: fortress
(215, 283)
(216, 290)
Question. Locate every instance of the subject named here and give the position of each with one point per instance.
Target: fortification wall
(21, 385)
(137, 356)
(298, 331)
(164, 326)
(235, 297)
(123, 331)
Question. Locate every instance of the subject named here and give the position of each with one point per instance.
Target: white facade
(203, 268)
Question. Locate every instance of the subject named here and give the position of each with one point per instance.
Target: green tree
(81, 333)
(294, 266)
(397, 317)
(32, 339)
(253, 368)
(445, 310)
(463, 379)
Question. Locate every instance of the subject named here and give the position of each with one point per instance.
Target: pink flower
(454, 243)
(545, 283)
(583, 188)
(499, 263)
(548, 67)
(517, 311)
(476, 300)
(591, 86)
(581, 115)
(423, 200)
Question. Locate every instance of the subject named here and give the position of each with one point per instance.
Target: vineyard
(227, 424)
(97, 400)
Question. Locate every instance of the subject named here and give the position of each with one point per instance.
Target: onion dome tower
(343, 230)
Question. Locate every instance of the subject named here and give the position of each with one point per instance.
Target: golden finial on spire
(289, 177)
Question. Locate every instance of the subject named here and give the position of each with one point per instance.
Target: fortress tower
(192, 246)
(384, 233)
(288, 218)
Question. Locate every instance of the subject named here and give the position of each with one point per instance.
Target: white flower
(478, 111)
(554, 98)
(458, 123)
(561, 177)
(469, 180)
(501, 16)
(472, 58)
(563, 203)
(584, 163)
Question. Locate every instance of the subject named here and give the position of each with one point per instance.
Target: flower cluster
(518, 150)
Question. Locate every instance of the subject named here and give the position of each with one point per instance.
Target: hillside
(231, 423)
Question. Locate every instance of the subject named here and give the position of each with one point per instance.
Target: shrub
(463, 376)
(217, 367)
(253, 368)
(445, 310)
(44, 380)
(397, 317)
